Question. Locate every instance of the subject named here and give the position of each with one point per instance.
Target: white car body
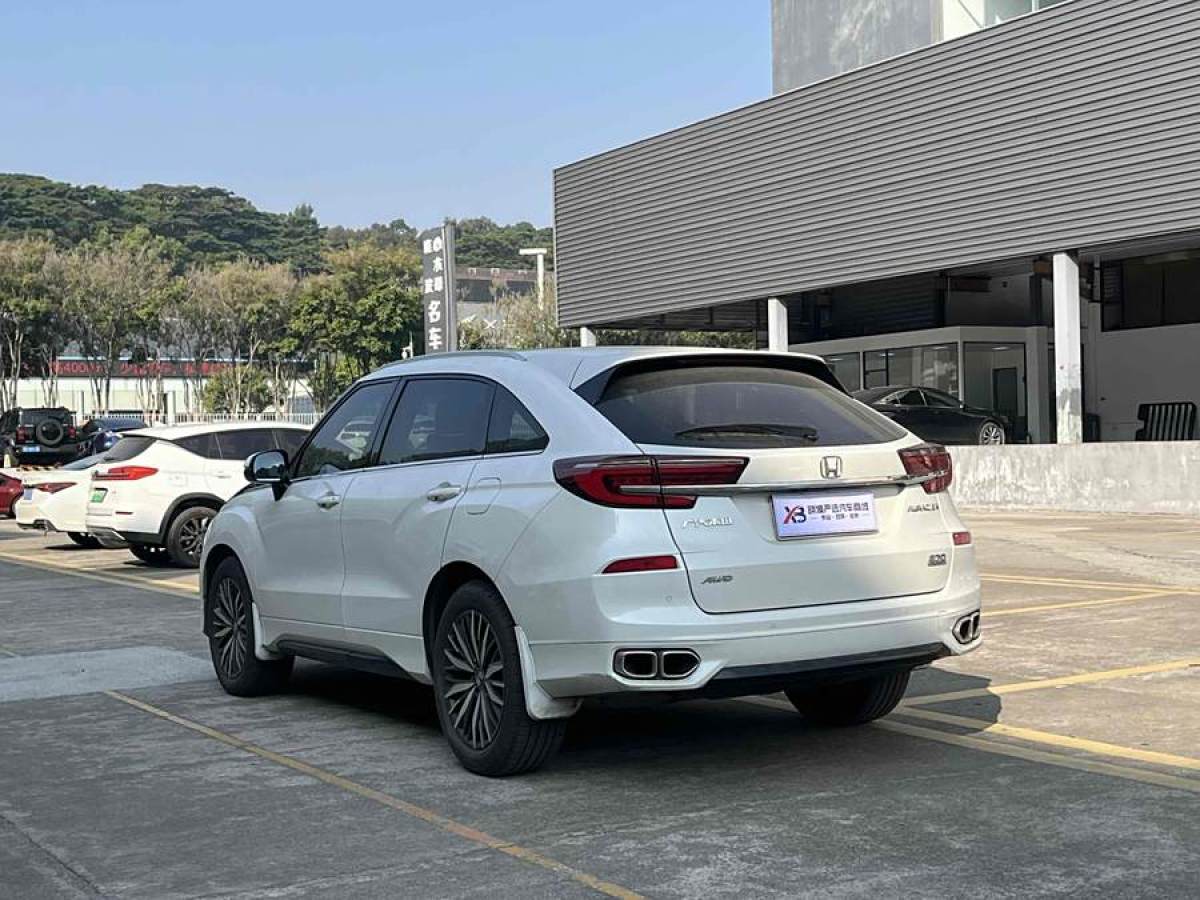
(167, 478)
(355, 559)
(56, 500)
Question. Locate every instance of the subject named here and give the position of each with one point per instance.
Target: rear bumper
(754, 653)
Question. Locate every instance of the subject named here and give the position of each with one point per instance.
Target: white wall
(1110, 478)
(1142, 365)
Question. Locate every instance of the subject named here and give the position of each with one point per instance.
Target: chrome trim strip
(781, 487)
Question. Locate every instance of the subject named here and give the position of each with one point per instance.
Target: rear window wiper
(756, 429)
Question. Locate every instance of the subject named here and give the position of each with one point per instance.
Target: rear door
(225, 470)
(816, 516)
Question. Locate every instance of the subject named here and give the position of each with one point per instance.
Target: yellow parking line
(1097, 767)
(1061, 681)
(1067, 742)
(1073, 604)
(162, 587)
(1051, 581)
(411, 809)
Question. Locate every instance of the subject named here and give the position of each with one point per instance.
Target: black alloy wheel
(229, 625)
(479, 688)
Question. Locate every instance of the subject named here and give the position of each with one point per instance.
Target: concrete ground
(1062, 758)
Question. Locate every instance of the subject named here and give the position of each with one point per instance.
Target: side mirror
(267, 467)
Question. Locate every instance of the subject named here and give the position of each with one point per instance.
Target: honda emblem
(831, 467)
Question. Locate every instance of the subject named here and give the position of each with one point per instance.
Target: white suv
(158, 488)
(524, 530)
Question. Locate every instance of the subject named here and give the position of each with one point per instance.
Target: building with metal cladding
(1010, 213)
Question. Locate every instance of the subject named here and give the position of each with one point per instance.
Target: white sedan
(56, 500)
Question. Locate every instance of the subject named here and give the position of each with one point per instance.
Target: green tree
(27, 310)
(362, 314)
(112, 288)
(481, 242)
(247, 308)
(251, 392)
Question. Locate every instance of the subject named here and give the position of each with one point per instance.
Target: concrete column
(587, 337)
(1068, 362)
(777, 325)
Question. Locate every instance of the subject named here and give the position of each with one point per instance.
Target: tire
(229, 624)
(850, 702)
(49, 432)
(991, 433)
(483, 716)
(185, 537)
(84, 540)
(151, 554)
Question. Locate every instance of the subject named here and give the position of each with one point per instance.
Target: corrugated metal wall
(1073, 127)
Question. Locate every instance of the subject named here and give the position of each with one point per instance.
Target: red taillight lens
(604, 479)
(929, 459)
(71, 432)
(962, 538)
(53, 487)
(125, 473)
(641, 564)
(22, 434)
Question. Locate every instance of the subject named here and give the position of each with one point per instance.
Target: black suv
(41, 435)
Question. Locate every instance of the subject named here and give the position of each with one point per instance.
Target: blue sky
(368, 110)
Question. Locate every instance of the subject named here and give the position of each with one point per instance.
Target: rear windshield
(738, 407)
(37, 416)
(127, 448)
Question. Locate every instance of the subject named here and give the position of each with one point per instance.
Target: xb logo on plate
(831, 467)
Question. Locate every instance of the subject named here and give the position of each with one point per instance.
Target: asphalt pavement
(1063, 758)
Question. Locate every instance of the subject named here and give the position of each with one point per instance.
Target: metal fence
(299, 418)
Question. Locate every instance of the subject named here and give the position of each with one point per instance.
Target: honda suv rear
(526, 530)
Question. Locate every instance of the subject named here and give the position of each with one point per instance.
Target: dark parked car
(937, 416)
(39, 435)
(10, 493)
(102, 432)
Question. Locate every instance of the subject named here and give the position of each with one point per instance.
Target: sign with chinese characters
(437, 288)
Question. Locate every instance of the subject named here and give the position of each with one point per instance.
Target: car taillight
(929, 459)
(53, 487)
(22, 434)
(606, 479)
(71, 432)
(962, 538)
(125, 473)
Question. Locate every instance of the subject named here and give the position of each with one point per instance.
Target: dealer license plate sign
(812, 515)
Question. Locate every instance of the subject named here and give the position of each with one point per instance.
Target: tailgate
(792, 533)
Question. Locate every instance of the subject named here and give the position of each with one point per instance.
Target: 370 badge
(808, 515)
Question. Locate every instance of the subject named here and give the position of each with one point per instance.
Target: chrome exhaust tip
(967, 628)
(677, 663)
(636, 664)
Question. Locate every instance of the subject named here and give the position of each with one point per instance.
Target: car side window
(202, 445)
(438, 418)
(512, 428)
(240, 444)
(289, 440)
(909, 398)
(343, 441)
(941, 401)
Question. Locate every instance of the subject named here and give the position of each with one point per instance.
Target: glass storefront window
(935, 366)
(994, 378)
(848, 369)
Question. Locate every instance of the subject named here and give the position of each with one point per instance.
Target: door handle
(444, 491)
(329, 501)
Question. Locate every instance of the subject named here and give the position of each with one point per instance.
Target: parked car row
(153, 491)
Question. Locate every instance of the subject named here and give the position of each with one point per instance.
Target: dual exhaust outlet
(646, 664)
(966, 629)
